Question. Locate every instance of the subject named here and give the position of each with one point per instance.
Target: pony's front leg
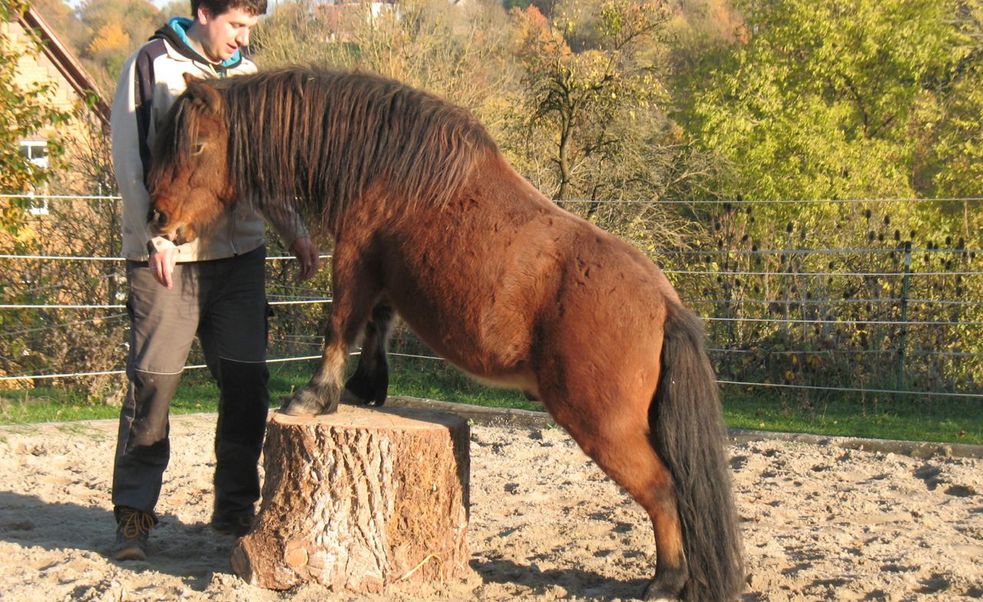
(322, 393)
(351, 307)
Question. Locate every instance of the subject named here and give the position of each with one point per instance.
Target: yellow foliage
(535, 38)
(109, 39)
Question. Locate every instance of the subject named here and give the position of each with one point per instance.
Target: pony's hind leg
(620, 443)
(370, 382)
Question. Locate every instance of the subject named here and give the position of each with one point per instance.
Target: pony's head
(188, 180)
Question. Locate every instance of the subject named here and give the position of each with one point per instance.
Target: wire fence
(896, 318)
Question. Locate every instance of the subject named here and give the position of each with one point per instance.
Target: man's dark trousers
(223, 302)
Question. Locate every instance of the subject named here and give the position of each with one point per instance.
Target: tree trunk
(359, 499)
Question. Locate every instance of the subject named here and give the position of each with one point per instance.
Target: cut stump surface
(359, 499)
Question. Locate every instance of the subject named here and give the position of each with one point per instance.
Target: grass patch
(903, 418)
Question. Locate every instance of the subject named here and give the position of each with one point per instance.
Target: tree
(26, 109)
(62, 18)
(593, 125)
(844, 99)
(456, 52)
(110, 47)
(825, 99)
(581, 100)
(954, 163)
(119, 26)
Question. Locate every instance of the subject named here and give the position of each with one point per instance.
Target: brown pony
(428, 218)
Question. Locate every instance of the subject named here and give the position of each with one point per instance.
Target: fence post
(903, 338)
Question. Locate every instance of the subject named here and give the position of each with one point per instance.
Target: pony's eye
(198, 148)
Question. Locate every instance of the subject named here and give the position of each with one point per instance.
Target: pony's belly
(494, 363)
(522, 382)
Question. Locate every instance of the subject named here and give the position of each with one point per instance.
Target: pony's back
(323, 137)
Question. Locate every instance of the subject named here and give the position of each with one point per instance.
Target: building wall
(34, 69)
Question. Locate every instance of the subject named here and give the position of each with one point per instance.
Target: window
(36, 151)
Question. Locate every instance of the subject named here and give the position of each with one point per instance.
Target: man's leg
(162, 327)
(233, 335)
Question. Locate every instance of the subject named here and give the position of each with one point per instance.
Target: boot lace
(136, 524)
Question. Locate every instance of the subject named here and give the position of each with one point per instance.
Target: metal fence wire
(886, 314)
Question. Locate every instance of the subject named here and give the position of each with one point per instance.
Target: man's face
(223, 34)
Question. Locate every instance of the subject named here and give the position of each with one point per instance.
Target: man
(213, 287)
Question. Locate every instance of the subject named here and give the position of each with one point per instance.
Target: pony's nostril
(157, 218)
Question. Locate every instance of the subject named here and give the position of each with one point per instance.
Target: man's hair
(218, 7)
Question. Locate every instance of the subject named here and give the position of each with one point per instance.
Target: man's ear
(203, 15)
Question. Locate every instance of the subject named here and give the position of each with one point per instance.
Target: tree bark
(359, 499)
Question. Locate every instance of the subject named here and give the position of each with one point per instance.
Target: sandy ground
(820, 523)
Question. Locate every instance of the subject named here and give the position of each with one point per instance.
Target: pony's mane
(323, 137)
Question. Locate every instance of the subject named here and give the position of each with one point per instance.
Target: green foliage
(953, 165)
(842, 99)
(833, 99)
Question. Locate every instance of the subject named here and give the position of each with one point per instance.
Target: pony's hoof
(659, 597)
(658, 592)
(350, 397)
(293, 409)
(307, 402)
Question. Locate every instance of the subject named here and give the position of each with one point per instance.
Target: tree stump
(360, 499)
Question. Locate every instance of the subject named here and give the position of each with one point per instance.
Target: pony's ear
(200, 90)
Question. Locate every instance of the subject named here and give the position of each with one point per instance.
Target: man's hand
(162, 265)
(306, 252)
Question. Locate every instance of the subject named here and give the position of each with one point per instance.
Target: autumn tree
(119, 27)
(64, 20)
(110, 47)
(456, 52)
(582, 99)
(594, 132)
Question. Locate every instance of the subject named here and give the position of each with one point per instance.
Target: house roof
(66, 63)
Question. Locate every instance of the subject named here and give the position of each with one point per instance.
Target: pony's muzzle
(156, 219)
(158, 226)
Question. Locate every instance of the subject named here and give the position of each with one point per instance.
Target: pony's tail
(689, 434)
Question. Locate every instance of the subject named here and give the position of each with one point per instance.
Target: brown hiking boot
(132, 531)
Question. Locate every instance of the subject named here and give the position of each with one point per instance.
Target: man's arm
(289, 225)
(305, 250)
(132, 117)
